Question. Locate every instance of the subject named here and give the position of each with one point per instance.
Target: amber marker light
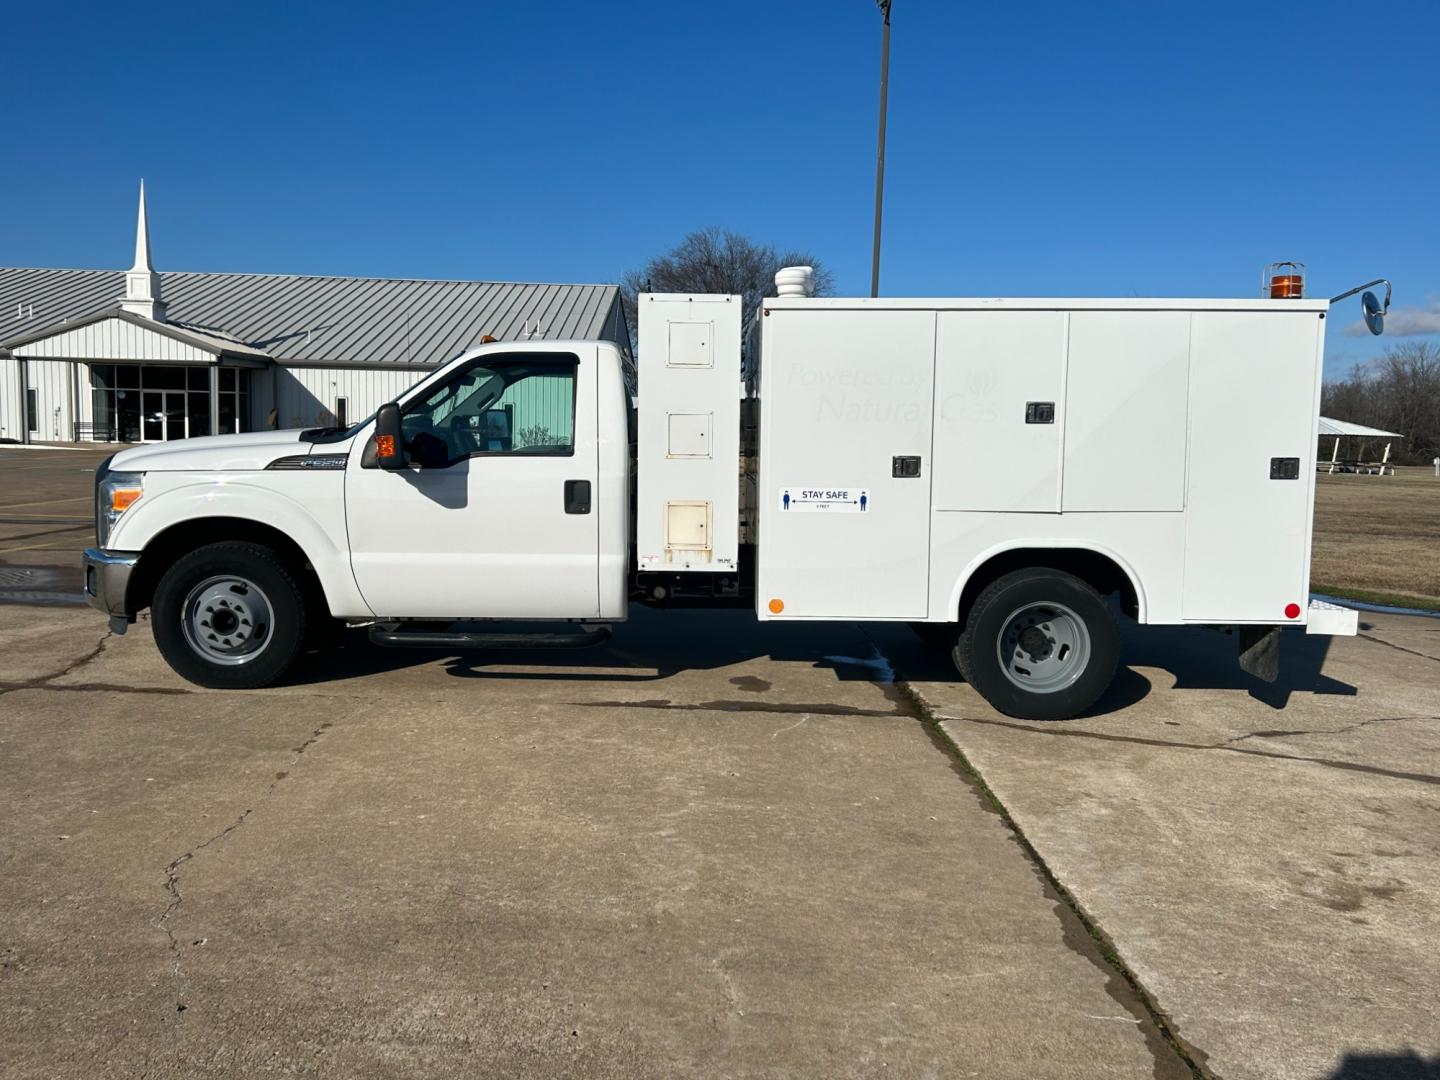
(121, 498)
(776, 606)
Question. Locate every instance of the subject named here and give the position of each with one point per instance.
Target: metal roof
(1344, 427)
(303, 319)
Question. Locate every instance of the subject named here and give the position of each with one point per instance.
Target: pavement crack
(94, 688)
(774, 707)
(175, 897)
(172, 887)
(790, 727)
(1291, 733)
(44, 681)
(1171, 1054)
(1401, 648)
(1138, 740)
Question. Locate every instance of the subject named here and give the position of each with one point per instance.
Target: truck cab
(513, 503)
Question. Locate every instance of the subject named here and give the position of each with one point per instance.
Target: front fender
(307, 507)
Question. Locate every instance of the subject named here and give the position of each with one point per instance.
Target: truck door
(493, 518)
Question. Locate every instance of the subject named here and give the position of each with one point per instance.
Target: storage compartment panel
(999, 410)
(1253, 394)
(1127, 386)
(689, 435)
(843, 394)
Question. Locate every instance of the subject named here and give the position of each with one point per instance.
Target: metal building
(139, 356)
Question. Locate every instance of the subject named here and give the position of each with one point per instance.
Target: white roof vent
(795, 281)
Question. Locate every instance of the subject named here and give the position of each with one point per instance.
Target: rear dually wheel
(1039, 644)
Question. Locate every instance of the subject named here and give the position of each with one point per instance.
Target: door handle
(577, 496)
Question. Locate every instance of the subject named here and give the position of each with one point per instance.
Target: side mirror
(389, 443)
(1373, 313)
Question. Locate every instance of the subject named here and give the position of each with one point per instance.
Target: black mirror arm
(1358, 288)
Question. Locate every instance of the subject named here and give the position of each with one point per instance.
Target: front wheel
(229, 616)
(1039, 644)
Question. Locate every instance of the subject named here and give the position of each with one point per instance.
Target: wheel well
(179, 540)
(1101, 572)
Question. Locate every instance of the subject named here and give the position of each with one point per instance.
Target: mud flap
(1260, 651)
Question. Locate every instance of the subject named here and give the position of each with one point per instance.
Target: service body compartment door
(1000, 410)
(1254, 401)
(1127, 377)
(845, 465)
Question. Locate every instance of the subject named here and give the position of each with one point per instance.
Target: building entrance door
(162, 416)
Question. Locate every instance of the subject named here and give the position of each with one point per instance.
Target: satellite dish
(1374, 313)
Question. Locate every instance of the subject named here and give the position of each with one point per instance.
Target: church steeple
(142, 283)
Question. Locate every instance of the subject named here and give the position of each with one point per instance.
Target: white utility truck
(1003, 474)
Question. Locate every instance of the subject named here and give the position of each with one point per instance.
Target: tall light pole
(880, 152)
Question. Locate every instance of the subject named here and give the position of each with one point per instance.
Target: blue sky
(1037, 149)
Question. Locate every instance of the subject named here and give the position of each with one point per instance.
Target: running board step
(448, 639)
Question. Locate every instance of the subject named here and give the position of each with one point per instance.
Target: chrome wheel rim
(228, 620)
(1043, 648)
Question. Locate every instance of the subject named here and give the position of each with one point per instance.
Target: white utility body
(1151, 429)
(983, 469)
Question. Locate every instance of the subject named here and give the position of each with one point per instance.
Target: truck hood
(213, 453)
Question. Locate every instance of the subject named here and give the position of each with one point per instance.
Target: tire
(229, 616)
(937, 635)
(1060, 649)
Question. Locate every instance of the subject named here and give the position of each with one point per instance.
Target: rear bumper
(1327, 618)
(107, 580)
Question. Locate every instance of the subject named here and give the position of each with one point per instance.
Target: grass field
(1377, 538)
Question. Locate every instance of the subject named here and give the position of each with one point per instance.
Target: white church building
(142, 356)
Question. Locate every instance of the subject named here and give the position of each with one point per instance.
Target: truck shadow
(657, 645)
(1197, 659)
(652, 646)
(1401, 1065)
(1202, 659)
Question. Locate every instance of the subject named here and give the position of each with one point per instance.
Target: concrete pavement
(47, 517)
(712, 848)
(1265, 859)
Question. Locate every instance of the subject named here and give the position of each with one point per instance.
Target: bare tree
(714, 260)
(1397, 391)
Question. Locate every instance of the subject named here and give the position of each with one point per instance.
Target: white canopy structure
(1341, 429)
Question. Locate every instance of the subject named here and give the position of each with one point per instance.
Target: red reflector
(1292, 611)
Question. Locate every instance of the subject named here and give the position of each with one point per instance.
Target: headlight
(114, 494)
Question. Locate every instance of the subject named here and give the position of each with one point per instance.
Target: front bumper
(107, 581)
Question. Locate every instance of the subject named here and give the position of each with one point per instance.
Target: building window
(32, 409)
(342, 410)
(124, 396)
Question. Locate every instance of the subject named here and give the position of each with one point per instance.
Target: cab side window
(524, 406)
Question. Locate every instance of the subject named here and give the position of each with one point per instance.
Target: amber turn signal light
(385, 445)
(121, 498)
